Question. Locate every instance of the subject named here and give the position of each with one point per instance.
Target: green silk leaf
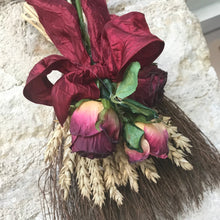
(132, 135)
(105, 87)
(129, 82)
(138, 108)
(142, 118)
(107, 105)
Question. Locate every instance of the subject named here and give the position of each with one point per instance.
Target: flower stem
(84, 32)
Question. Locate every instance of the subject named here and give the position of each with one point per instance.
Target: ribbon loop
(38, 87)
(126, 39)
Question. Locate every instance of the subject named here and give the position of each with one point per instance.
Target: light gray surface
(25, 126)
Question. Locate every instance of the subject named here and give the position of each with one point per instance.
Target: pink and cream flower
(153, 142)
(89, 141)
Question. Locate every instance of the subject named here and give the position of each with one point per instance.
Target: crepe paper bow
(116, 41)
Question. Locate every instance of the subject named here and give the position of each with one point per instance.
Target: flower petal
(61, 23)
(111, 125)
(157, 136)
(151, 81)
(84, 119)
(96, 146)
(134, 156)
(38, 87)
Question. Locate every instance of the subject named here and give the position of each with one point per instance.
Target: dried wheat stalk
(177, 144)
(127, 171)
(53, 144)
(179, 140)
(83, 176)
(182, 142)
(177, 156)
(149, 170)
(59, 134)
(31, 17)
(69, 165)
(111, 180)
(96, 181)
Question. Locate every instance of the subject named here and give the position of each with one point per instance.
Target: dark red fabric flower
(86, 139)
(151, 81)
(115, 42)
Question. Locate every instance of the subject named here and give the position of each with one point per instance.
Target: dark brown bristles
(174, 193)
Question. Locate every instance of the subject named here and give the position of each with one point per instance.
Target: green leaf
(105, 87)
(101, 119)
(142, 118)
(130, 81)
(107, 105)
(72, 109)
(138, 108)
(132, 136)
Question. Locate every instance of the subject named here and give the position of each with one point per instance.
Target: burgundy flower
(86, 139)
(151, 81)
(154, 142)
(115, 43)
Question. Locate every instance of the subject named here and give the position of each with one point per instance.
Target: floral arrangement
(109, 126)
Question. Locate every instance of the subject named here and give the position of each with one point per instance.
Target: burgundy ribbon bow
(115, 43)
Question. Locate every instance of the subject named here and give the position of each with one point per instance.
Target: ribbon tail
(97, 16)
(60, 21)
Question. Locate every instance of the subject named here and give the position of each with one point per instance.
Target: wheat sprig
(83, 176)
(59, 134)
(111, 179)
(182, 142)
(96, 181)
(149, 170)
(126, 170)
(177, 156)
(31, 17)
(179, 140)
(116, 195)
(53, 144)
(69, 165)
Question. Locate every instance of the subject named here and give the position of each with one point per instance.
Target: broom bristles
(174, 192)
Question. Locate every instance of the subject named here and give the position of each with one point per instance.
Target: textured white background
(25, 126)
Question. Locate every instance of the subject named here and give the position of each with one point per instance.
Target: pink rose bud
(89, 141)
(134, 156)
(157, 137)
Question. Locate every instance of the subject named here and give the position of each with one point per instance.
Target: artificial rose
(86, 139)
(151, 81)
(134, 155)
(153, 142)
